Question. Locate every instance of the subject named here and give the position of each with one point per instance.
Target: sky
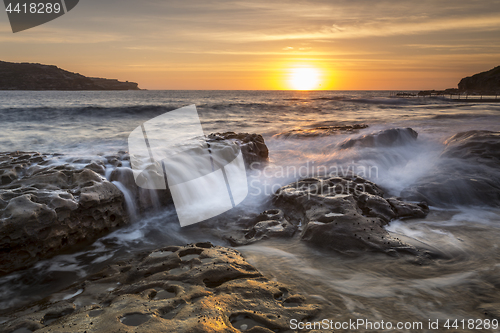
(208, 44)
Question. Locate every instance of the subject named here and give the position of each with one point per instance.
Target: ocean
(91, 124)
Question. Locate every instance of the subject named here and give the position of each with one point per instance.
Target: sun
(304, 78)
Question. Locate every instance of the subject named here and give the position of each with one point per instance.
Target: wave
(377, 100)
(459, 116)
(47, 113)
(151, 110)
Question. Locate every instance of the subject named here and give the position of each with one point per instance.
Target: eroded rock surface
(46, 209)
(145, 200)
(346, 214)
(468, 172)
(195, 288)
(270, 223)
(386, 138)
(252, 146)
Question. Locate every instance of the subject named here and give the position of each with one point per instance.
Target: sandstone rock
(346, 214)
(46, 209)
(197, 288)
(145, 200)
(405, 210)
(386, 138)
(468, 174)
(271, 223)
(97, 167)
(252, 146)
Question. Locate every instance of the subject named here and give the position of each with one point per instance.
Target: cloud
(259, 35)
(368, 29)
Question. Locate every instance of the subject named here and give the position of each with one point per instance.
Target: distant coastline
(31, 76)
(484, 83)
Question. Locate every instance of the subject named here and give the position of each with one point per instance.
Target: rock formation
(268, 224)
(252, 146)
(346, 214)
(27, 76)
(196, 288)
(46, 209)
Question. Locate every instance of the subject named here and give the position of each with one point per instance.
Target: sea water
(372, 286)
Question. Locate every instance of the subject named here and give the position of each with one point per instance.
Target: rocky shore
(193, 288)
(48, 207)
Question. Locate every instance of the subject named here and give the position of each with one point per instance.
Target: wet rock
(97, 167)
(346, 214)
(478, 146)
(391, 208)
(468, 174)
(387, 138)
(321, 131)
(215, 290)
(252, 146)
(406, 210)
(269, 224)
(377, 206)
(46, 209)
(145, 200)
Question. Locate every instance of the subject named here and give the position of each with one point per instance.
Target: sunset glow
(262, 45)
(304, 78)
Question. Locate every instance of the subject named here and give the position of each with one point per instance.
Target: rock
(468, 173)
(97, 167)
(271, 223)
(145, 200)
(252, 146)
(26, 76)
(387, 138)
(488, 81)
(46, 209)
(391, 208)
(449, 91)
(195, 288)
(478, 146)
(321, 131)
(405, 210)
(345, 214)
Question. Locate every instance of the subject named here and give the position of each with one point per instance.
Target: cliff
(27, 76)
(488, 81)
